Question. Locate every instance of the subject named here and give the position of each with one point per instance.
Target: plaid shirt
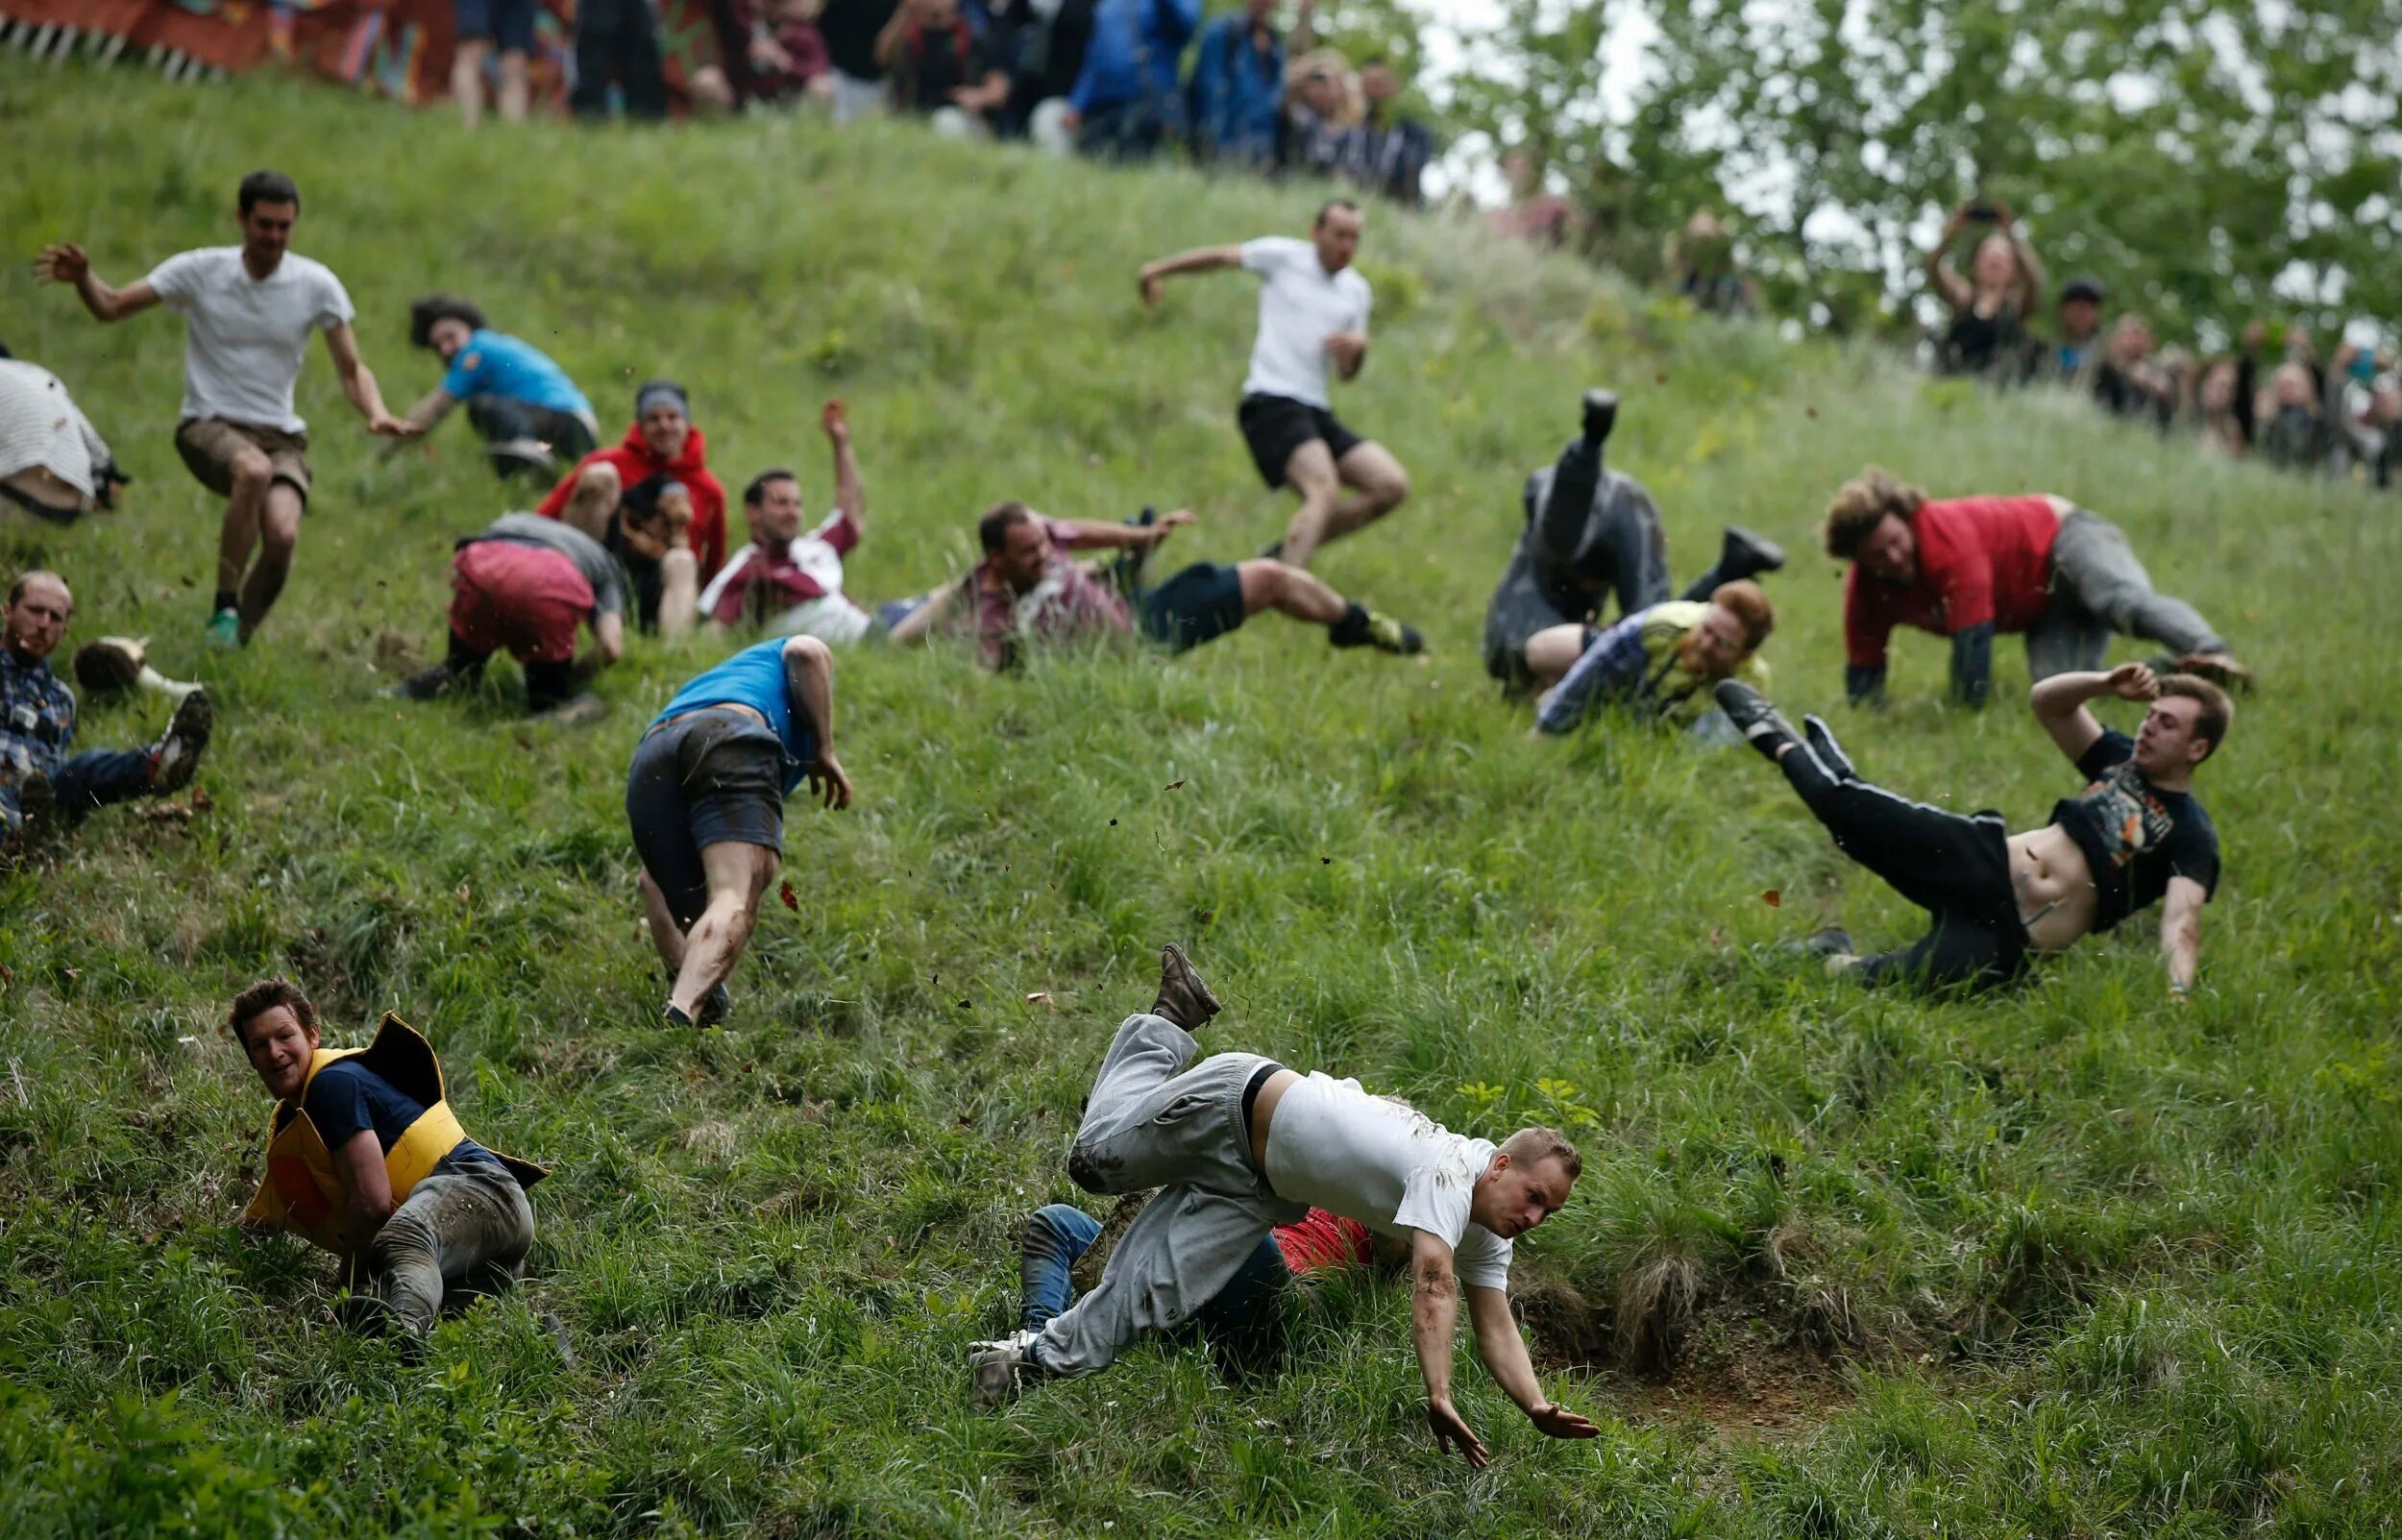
(36, 719)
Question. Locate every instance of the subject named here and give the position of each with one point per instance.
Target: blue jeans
(91, 779)
(1058, 1234)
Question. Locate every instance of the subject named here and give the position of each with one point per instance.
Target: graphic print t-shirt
(2135, 836)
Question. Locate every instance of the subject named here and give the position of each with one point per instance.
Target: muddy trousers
(1151, 1122)
(2100, 589)
(467, 1226)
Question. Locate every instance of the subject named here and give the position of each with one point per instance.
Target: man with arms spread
(1590, 532)
(2136, 835)
(1313, 309)
(527, 410)
(39, 776)
(787, 582)
(1970, 567)
(366, 1160)
(522, 586)
(706, 797)
(248, 312)
(1238, 1143)
(1029, 588)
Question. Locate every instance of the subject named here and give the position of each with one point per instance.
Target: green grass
(2073, 1262)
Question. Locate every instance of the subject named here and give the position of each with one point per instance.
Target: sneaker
(997, 1370)
(528, 457)
(1827, 940)
(423, 685)
(714, 1007)
(1757, 721)
(224, 633)
(1829, 752)
(1370, 628)
(2219, 668)
(37, 811)
(674, 1016)
(177, 755)
(1741, 553)
(1183, 998)
(1601, 414)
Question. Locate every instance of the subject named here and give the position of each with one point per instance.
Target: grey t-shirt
(591, 558)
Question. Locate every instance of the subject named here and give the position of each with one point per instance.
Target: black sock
(226, 599)
(1353, 629)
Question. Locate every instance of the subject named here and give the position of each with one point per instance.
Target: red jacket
(635, 463)
(1980, 559)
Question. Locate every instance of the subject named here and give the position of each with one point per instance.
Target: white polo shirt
(1301, 304)
(244, 339)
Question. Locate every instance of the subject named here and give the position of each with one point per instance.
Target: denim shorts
(710, 777)
(509, 24)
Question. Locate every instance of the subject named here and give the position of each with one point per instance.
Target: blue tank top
(754, 677)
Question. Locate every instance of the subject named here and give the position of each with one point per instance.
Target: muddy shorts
(210, 445)
(710, 777)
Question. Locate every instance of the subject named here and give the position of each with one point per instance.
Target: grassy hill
(2074, 1262)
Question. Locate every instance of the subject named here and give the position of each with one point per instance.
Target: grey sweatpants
(2098, 588)
(1153, 1123)
(467, 1224)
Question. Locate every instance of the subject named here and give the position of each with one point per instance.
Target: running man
(1029, 588)
(366, 1160)
(787, 582)
(1239, 1144)
(706, 797)
(1314, 311)
(2135, 836)
(1970, 567)
(522, 586)
(1590, 532)
(248, 312)
(1660, 662)
(526, 410)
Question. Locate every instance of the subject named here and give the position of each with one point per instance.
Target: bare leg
(1275, 585)
(1380, 486)
(1309, 471)
(1552, 651)
(594, 497)
(738, 875)
(665, 934)
(679, 594)
(467, 78)
(238, 535)
(279, 537)
(515, 91)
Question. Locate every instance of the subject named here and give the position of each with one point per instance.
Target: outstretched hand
(1150, 286)
(1554, 1421)
(62, 264)
(1452, 1431)
(835, 418)
(2133, 681)
(827, 781)
(383, 425)
(1175, 518)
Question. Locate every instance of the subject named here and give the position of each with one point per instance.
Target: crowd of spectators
(2340, 414)
(1126, 80)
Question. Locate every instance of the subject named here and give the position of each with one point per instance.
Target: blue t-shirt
(494, 363)
(346, 1096)
(754, 677)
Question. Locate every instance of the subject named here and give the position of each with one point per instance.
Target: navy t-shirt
(2135, 836)
(346, 1096)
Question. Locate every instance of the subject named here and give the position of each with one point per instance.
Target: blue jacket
(1136, 47)
(1236, 92)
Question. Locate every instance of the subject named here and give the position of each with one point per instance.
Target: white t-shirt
(1333, 1145)
(1301, 304)
(244, 339)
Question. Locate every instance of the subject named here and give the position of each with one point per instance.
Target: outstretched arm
(2059, 703)
(920, 624)
(1505, 1354)
(2181, 932)
(67, 263)
(850, 495)
(1089, 534)
(358, 383)
(1152, 279)
(431, 409)
(1948, 285)
(809, 679)
(366, 1191)
(1433, 1319)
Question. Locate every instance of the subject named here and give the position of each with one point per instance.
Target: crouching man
(366, 1160)
(1239, 1144)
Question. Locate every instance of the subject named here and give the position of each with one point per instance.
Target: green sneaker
(223, 631)
(1388, 635)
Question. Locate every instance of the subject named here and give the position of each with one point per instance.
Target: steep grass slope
(2072, 1262)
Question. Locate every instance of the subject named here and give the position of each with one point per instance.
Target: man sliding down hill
(1028, 589)
(1239, 1144)
(366, 1159)
(2134, 835)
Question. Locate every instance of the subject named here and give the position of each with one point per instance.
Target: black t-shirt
(850, 27)
(937, 60)
(348, 1096)
(2135, 836)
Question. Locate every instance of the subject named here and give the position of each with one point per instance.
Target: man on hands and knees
(784, 581)
(522, 586)
(706, 797)
(248, 312)
(1314, 311)
(41, 782)
(2136, 834)
(1265, 1145)
(524, 407)
(1590, 533)
(1029, 589)
(366, 1160)
(1970, 566)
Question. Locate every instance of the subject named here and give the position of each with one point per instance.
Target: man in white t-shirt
(785, 582)
(248, 312)
(1239, 1144)
(1314, 311)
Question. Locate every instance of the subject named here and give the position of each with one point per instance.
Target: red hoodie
(635, 463)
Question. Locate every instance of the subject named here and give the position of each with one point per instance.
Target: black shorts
(1274, 426)
(1199, 605)
(711, 778)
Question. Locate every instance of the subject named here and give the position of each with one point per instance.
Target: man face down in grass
(1239, 1144)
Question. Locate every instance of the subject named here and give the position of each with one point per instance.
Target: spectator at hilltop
(2075, 356)
(1986, 336)
(2129, 382)
(616, 42)
(2218, 393)
(1537, 217)
(485, 27)
(1127, 102)
(1047, 41)
(2294, 433)
(1703, 255)
(941, 70)
(1238, 87)
(1321, 105)
(1385, 153)
(778, 54)
(850, 29)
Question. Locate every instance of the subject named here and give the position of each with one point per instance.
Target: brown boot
(1183, 998)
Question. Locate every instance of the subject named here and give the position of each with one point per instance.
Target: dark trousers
(618, 39)
(1241, 1316)
(1956, 869)
(547, 684)
(1129, 130)
(1638, 547)
(499, 419)
(84, 782)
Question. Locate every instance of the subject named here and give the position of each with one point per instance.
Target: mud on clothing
(2135, 836)
(710, 777)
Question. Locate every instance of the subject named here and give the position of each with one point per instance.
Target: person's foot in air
(1362, 626)
(1183, 999)
(1600, 415)
(1743, 554)
(175, 755)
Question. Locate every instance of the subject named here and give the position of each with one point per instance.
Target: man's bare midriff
(1262, 1110)
(2053, 885)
